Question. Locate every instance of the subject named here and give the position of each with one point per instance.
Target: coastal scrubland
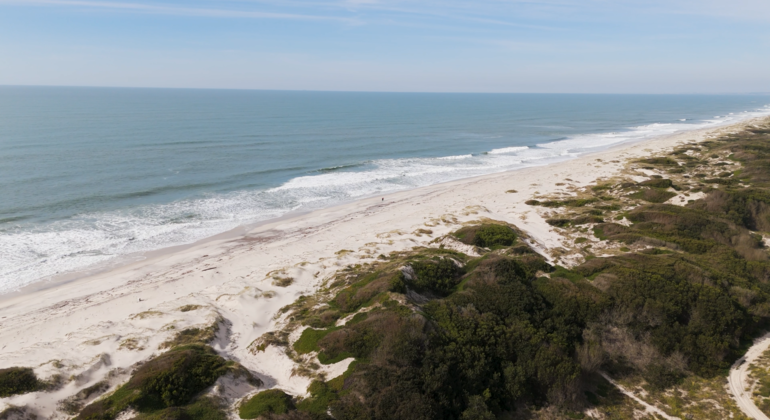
(662, 281)
(664, 301)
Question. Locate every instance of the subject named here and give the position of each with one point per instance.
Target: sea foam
(95, 240)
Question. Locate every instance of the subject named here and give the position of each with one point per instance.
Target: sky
(561, 46)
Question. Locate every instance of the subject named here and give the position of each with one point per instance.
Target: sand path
(649, 408)
(738, 378)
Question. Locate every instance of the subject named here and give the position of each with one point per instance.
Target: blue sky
(596, 46)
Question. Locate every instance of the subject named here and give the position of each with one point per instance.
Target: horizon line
(379, 91)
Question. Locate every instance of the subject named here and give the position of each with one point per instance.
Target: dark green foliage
(440, 275)
(661, 298)
(169, 380)
(492, 337)
(358, 339)
(559, 222)
(477, 410)
(17, 380)
(657, 183)
(573, 202)
(173, 378)
(200, 409)
(487, 235)
(271, 401)
(494, 235)
(321, 396)
(652, 195)
(499, 340)
(666, 161)
(660, 377)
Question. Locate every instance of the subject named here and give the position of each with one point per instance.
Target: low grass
(322, 394)
(308, 341)
(271, 401)
(759, 375)
(193, 336)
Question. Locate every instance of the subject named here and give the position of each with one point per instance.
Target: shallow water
(91, 174)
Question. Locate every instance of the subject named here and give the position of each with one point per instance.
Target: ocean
(90, 177)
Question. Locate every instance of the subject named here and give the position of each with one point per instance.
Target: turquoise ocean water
(88, 175)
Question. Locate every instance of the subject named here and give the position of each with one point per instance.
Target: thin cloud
(181, 11)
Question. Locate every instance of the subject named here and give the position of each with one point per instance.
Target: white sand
(83, 323)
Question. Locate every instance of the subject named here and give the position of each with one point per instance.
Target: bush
(653, 195)
(172, 379)
(657, 183)
(660, 377)
(495, 235)
(666, 161)
(477, 410)
(487, 235)
(17, 380)
(200, 409)
(271, 401)
(440, 275)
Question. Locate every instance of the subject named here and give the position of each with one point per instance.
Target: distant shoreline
(140, 257)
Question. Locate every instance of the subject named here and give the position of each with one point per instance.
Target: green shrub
(271, 401)
(17, 380)
(653, 195)
(666, 161)
(495, 235)
(657, 183)
(440, 275)
(169, 380)
(559, 222)
(321, 396)
(487, 235)
(660, 377)
(201, 409)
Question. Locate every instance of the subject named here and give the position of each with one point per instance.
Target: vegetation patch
(575, 202)
(17, 380)
(308, 341)
(170, 380)
(665, 161)
(193, 336)
(271, 401)
(439, 275)
(652, 195)
(487, 235)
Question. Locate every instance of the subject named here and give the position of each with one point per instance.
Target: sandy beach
(96, 328)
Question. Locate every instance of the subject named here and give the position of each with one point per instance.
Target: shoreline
(134, 258)
(74, 323)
